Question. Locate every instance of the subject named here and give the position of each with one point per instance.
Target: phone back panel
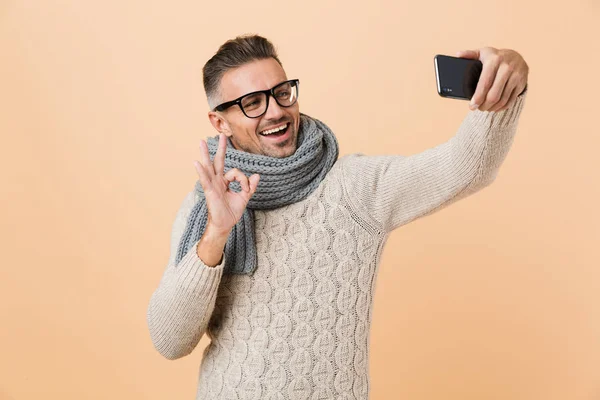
(457, 77)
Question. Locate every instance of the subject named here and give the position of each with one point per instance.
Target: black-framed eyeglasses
(255, 104)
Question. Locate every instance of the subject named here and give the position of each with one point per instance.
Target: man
(274, 254)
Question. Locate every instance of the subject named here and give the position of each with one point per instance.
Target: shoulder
(348, 169)
(353, 165)
(189, 200)
(185, 207)
(349, 161)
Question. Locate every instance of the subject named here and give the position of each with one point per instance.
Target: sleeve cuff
(196, 276)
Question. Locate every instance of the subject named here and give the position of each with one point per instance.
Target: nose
(274, 111)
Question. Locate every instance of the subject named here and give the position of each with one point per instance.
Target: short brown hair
(232, 54)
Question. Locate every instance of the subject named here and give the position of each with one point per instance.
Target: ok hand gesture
(225, 207)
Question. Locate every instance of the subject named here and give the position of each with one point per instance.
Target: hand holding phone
(491, 78)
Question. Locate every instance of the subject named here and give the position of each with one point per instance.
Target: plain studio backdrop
(102, 111)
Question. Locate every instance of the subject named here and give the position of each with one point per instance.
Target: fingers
(208, 171)
(513, 96)
(205, 179)
(236, 174)
(486, 80)
(204, 168)
(219, 160)
(205, 160)
(248, 185)
(496, 92)
(504, 102)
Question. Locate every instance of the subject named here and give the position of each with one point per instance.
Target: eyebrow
(262, 90)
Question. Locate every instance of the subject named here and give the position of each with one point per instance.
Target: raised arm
(392, 190)
(181, 306)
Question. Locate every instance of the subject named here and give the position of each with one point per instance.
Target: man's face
(245, 132)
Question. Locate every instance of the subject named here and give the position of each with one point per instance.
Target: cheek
(253, 127)
(295, 118)
(249, 127)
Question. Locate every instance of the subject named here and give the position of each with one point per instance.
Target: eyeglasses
(255, 104)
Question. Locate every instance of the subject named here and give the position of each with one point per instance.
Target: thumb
(472, 54)
(254, 182)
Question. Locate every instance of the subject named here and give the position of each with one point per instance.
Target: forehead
(257, 75)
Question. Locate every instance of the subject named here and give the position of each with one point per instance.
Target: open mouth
(279, 132)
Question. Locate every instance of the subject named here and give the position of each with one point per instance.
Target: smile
(278, 129)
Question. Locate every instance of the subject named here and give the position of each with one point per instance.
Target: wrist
(214, 234)
(211, 247)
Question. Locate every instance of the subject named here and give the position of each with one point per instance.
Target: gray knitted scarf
(282, 181)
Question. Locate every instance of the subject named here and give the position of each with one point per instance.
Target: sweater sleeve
(389, 191)
(180, 308)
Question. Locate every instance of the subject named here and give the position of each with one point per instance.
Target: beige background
(101, 113)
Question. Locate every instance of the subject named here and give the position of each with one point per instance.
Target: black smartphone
(456, 77)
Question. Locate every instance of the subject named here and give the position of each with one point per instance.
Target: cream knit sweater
(298, 328)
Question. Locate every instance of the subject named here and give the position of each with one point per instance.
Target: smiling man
(274, 253)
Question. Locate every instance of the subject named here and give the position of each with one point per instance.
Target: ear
(219, 123)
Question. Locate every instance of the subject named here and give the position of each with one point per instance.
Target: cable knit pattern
(298, 327)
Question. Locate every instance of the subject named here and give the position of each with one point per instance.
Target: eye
(252, 102)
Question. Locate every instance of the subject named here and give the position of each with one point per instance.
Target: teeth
(270, 131)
